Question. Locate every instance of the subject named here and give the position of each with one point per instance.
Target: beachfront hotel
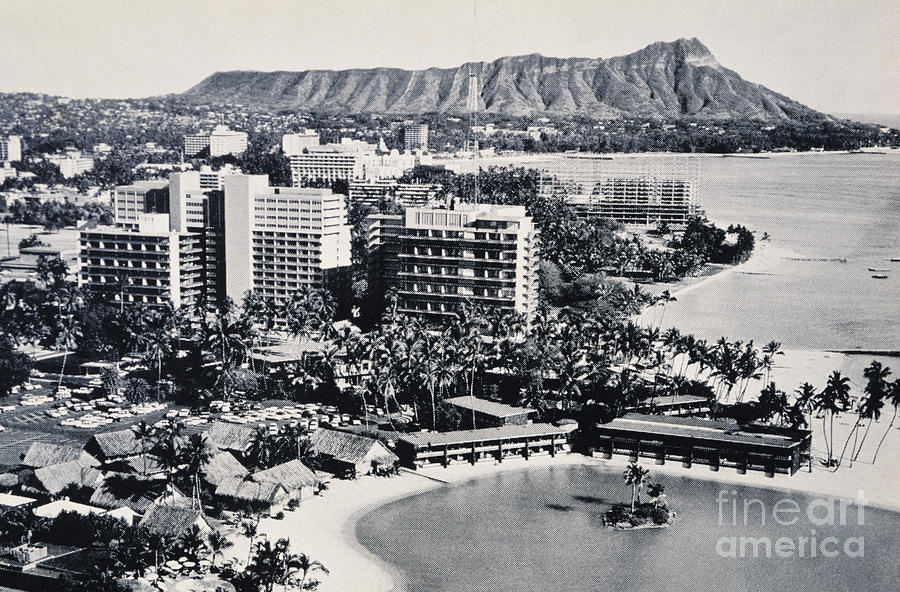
(437, 259)
(329, 162)
(633, 190)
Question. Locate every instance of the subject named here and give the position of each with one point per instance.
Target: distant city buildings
(373, 193)
(330, 162)
(414, 136)
(294, 144)
(435, 259)
(71, 163)
(220, 142)
(10, 148)
(638, 190)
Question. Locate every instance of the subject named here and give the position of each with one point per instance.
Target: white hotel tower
(278, 239)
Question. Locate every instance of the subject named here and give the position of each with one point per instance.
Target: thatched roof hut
(44, 454)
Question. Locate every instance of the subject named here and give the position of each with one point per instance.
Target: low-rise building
(489, 414)
(495, 444)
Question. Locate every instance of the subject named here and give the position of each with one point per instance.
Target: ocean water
(824, 210)
(540, 529)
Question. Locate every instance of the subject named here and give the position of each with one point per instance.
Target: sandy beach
(324, 526)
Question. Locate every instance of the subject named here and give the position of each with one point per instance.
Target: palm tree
(250, 529)
(68, 302)
(877, 390)
(136, 390)
(635, 475)
(195, 455)
(664, 298)
(305, 566)
(894, 398)
(833, 399)
(218, 542)
(770, 350)
(144, 432)
(803, 404)
(192, 542)
(773, 403)
(260, 449)
(868, 408)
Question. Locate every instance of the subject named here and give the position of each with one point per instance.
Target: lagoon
(541, 529)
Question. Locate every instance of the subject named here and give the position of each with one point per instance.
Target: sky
(837, 57)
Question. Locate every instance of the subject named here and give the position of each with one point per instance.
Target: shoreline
(325, 526)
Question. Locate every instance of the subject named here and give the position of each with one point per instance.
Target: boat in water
(877, 270)
(880, 276)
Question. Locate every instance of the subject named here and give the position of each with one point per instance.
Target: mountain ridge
(663, 80)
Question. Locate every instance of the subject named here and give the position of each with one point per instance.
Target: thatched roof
(135, 465)
(54, 509)
(44, 454)
(251, 491)
(348, 448)
(110, 445)
(221, 466)
(121, 490)
(292, 475)
(172, 520)
(230, 436)
(55, 478)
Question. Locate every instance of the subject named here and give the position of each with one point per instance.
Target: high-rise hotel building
(436, 259)
(182, 242)
(279, 239)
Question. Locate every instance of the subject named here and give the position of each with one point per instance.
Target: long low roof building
(496, 443)
(705, 441)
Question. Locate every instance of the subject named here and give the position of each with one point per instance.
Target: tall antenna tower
(472, 104)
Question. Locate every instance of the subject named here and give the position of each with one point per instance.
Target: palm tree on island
(635, 475)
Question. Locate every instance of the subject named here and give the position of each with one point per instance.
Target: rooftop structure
(381, 191)
(437, 258)
(635, 190)
(490, 413)
(174, 521)
(343, 451)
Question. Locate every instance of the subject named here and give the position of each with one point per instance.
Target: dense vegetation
(53, 215)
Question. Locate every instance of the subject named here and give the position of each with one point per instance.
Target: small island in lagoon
(653, 514)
